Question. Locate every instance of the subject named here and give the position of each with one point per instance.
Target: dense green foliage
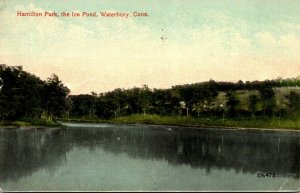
(23, 95)
(199, 100)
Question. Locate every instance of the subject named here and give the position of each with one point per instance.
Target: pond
(101, 157)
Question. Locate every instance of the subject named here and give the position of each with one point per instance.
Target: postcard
(149, 95)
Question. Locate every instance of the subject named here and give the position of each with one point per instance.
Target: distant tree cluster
(25, 95)
(187, 100)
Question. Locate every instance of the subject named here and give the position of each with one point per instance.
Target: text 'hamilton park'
(108, 14)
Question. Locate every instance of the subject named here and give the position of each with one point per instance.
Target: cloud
(266, 39)
(286, 45)
(290, 41)
(289, 26)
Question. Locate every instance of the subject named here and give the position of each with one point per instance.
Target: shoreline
(203, 126)
(230, 128)
(155, 120)
(172, 125)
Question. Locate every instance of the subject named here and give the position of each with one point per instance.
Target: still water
(140, 157)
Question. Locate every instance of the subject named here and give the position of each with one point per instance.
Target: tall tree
(54, 97)
(232, 103)
(253, 102)
(267, 96)
(293, 101)
(144, 98)
(10, 97)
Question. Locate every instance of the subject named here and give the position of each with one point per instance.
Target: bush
(148, 121)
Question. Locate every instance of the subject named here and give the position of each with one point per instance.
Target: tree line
(24, 95)
(197, 99)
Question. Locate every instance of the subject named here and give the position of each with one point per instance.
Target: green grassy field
(271, 123)
(215, 122)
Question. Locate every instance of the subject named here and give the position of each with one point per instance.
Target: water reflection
(22, 152)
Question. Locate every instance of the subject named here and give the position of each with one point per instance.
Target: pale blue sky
(223, 40)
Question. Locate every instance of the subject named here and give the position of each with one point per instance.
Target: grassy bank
(30, 122)
(272, 123)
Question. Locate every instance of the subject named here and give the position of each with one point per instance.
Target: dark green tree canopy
(24, 95)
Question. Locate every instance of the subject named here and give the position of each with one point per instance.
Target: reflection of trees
(243, 151)
(24, 151)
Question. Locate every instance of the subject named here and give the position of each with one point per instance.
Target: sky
(180, 42)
